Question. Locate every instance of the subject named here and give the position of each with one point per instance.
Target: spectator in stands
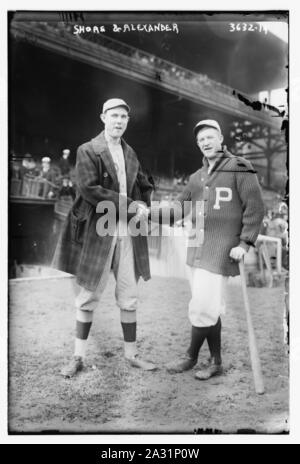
(266, 221)
(28, 167)
(15, 168)
(145, 61)
(136, 55)
(180, 179)
(48, 172)
(283, 211)
(15, 175)
(282, 225)
(276, 225)
(51, 175)
(67, 189)
(152, 182)
(64, 163)
(177, 179)
(186, 179)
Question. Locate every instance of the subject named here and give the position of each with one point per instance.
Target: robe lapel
(131, 165)
(101, 149)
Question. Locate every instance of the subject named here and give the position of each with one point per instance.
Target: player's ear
(102, 117)
(221, 138)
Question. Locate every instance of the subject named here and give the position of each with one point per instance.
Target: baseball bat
(255, 361)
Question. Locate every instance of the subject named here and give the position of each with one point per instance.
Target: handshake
(142, 213)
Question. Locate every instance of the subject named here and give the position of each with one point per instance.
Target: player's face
(209, 140)
(115, 122)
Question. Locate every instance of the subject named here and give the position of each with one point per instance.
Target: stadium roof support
(112, 55)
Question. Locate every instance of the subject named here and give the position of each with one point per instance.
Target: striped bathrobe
(80, 250)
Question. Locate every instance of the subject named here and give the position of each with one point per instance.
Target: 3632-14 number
(249, 27)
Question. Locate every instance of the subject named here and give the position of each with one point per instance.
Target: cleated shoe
(135, 361)
(185, 364)
(74, 366)
(211, 371)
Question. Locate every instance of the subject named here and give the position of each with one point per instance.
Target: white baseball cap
(114, 103)
(46, 159)
(206, 123)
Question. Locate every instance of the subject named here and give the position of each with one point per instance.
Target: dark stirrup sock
(83, 326)
(129, 325)
(214, 342)
(198, 337)
(83, 329)
(129, 331)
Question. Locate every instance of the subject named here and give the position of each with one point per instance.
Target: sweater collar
(219, 164)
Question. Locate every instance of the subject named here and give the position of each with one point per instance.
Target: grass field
(109, 396)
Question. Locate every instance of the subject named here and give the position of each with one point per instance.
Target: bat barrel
(254, 356)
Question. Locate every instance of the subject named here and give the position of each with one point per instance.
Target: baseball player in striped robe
(109, 177)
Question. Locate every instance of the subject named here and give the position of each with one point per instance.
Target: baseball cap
(114, 103)
(206, 123)
(46, 159)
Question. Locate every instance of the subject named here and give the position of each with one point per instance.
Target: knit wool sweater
(227, 211)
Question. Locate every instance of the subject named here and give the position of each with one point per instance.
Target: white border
(157, 5)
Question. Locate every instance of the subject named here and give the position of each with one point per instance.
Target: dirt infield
(109, 396)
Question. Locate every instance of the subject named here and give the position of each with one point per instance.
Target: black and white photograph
(148, 222)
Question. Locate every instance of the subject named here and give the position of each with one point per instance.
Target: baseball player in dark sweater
(225, 202)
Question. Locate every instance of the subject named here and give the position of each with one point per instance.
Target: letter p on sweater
(222, 194)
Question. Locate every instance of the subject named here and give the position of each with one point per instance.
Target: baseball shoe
(185, 364)
(74, 366)
(211, 371)
(135, 361)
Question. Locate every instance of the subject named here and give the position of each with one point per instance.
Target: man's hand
(179, 223)
(141, 214)
(237, 253)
